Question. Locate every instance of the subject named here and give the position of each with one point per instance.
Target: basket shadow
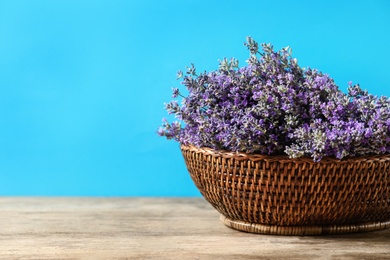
(372, 236)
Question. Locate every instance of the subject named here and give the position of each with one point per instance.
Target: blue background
(82, 83)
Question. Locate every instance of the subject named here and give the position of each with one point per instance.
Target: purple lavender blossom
(175, 92)
(170, 131)
(273, 106)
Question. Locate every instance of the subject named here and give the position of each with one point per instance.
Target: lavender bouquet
(273, 106)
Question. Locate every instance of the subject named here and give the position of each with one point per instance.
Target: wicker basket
(282, 196)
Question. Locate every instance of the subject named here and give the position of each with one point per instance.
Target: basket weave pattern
(278, 191)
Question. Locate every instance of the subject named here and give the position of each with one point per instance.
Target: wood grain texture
(156, 228)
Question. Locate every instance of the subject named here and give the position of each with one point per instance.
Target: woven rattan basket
(282, 196)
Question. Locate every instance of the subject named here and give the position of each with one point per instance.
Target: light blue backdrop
(83, 82)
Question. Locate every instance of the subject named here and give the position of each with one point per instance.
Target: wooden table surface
(156, 228)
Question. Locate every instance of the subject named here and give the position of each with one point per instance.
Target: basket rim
(257, 157)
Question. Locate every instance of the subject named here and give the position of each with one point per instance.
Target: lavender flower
(170, 131)
(175, 92)
(273, 106)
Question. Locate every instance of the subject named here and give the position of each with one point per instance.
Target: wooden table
(156, 228)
